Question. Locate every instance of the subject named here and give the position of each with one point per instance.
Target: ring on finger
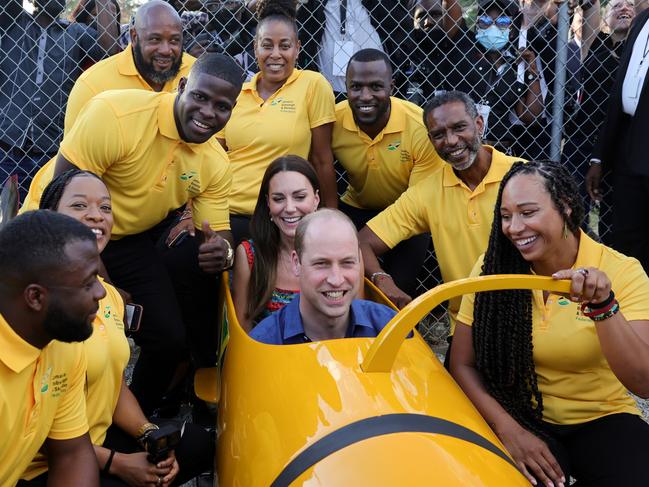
(159, 481)
(582, 271)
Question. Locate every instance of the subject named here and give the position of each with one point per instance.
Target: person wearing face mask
(41, 56)
(455, 204)
(507, 95)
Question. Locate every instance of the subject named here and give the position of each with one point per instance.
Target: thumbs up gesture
(215, 253)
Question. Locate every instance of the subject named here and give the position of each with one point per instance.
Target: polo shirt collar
(167, 123)
(294, 326)
(494, 175)
(15, 352)
(126, 62)
(252, 84)
(396, 122)
(589, 252)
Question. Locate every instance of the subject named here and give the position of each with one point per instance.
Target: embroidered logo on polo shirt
(46, 379)
(563, 301)
(394, 145)
(285, 106)
(107, 311)
(59, 384)
(187, 176)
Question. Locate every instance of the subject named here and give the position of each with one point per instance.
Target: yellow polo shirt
(261, 131)
(107, 352)
(41, 396)
(117, 72)
(458, 219)
(380, 169)
(129, 139)
(573, 375)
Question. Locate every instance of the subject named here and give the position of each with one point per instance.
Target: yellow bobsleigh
(356, 411)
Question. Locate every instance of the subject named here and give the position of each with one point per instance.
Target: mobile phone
(178, 239)
(133, 317)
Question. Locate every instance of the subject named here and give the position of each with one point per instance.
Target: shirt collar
(252, 84)
(494, 175)
(294, 327)
(126, 62)
(167, 122)
(15, 352)
(589, 253)
(396, 122)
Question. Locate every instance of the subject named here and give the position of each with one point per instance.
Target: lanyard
(343, 17)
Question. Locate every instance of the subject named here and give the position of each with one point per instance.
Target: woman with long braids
(550, 373)
(262, 280)
(282, 110)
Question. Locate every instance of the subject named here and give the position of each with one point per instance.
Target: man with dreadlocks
(550, 373)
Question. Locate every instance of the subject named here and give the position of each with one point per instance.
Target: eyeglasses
(502, 22)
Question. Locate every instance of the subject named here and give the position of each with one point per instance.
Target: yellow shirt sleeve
(465, 315)
(212, 204)
(96, 140)
(321, 103)
(401, 220)
(79, 96)
(70, 420)
(631, 288)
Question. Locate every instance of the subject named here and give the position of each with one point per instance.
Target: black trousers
(404, 261)
(611, 451)
(630, 216)
(195, 455)
(240, 228)
(178, 300)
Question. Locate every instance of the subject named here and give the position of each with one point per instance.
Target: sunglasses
(502, 22)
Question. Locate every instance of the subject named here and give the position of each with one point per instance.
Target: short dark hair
(450, 97)
(369, 55)
(32, 246)
(221, 66)
(54, 190)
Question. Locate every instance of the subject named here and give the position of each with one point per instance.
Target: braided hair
(282, 10)
(502, 327)
(52, 193)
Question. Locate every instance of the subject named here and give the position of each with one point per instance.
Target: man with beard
(455, 204)
(49, 295)
(154, 151)
(41, 56)
(154, 60)
(382, 143)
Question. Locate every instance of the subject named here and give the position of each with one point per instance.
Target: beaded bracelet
(607, 302)
(379, 274)
(602, 314)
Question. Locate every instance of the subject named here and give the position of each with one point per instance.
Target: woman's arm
(322, 159)
(240, 281)
(530, 453)
(625, 344)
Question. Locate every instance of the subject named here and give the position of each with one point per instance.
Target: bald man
(327, 261)
(154, 61)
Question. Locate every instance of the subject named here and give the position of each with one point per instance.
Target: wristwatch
(229, 255)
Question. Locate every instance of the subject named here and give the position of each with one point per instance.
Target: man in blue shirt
(327, 262)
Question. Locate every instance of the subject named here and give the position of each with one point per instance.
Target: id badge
(484, 110)
(343, 51)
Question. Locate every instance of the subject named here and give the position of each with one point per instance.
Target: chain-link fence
(540, 71)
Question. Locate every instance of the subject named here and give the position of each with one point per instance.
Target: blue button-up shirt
(285, 327)
(38, 68)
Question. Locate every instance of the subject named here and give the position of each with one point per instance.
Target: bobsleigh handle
(384, 348)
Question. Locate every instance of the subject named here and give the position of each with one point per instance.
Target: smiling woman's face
(86, 199)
